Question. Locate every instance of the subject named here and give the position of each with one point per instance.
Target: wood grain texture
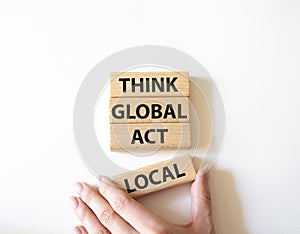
(149, 87)
(156, 177)
(151, 109)
(149, 136)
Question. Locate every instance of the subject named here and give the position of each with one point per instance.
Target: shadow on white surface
(227, 208)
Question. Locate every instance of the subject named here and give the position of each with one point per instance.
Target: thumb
(201, 201)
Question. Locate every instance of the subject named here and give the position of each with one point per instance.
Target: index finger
(142, 219)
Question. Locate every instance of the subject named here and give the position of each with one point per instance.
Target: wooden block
(158, 176)
(134, 84)
(152, 109)
(149, 136)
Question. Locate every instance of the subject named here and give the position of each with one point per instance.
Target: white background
(251, 49)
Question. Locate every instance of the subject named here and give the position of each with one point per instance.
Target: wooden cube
(158, 176)
(149, 136)
(145, 84)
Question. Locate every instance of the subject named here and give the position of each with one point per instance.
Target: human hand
(112, 210)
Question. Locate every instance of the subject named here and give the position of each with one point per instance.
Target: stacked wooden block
(149, 109)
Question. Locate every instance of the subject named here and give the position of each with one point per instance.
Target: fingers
(102, 210)
(87, 217)
(80, 230)
(201, 202)
(133, 212)
(116, 212)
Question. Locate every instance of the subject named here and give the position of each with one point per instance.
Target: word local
(157, 176)
(141, 181)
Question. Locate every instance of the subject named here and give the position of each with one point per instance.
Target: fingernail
(76, 230)
(206, 175)
(204, 171)
(73, 202)
(105, 180)
(78, 188)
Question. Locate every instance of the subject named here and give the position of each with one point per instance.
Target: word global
(143, 111)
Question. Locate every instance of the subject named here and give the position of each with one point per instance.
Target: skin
(112, 210)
